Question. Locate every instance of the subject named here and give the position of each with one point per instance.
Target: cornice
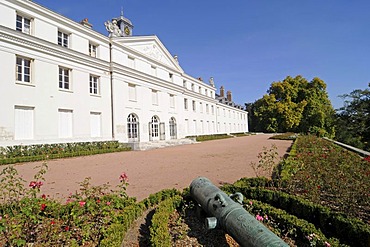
(30, 42)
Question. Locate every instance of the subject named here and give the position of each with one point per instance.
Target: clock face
(127, 30)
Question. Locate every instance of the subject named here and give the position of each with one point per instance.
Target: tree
(294, 104)
(353, 119)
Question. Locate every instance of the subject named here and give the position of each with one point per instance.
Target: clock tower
(125, 25)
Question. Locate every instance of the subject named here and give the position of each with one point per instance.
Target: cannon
(229, 215)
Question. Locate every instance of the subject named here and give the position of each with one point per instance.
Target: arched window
(132, 128)
(173, 128)
(154, 128)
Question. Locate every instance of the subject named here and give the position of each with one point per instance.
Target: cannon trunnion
(224, 212)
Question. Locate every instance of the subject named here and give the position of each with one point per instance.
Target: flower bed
(30, 153)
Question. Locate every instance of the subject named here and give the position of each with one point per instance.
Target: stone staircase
(160, 144)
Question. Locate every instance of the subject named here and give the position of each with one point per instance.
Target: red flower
(319, 187)
(66, 228)
(43, 206)
(98, 201)
(52, 222)
(35, 184)
(123, 177)
(82, 203)
(367, 158)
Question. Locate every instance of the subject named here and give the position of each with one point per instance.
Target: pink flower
(35, 184)
(123, 177)
(259, 217)
(82, 203)
(266, 217)
(327, 244)
(250, 203)
(108, 203)
(98, 201)
(69, 200)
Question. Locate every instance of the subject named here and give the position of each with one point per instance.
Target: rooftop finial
(121, 11)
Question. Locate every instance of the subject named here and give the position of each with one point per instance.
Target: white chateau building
(61, 81)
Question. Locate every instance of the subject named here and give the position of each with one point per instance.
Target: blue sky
(248, 44)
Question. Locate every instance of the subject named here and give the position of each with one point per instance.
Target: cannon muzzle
(224, 212)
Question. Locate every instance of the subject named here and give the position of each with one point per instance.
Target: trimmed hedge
(115, 233)
(295, 228)
(210, 137)
(30, 153)
(349, 230)
(159, 234)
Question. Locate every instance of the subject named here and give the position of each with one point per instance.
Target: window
(212, 110)
(185, 104)
(63, 38)
(23, 69)
(64, 78)
(94, 85)
(93, 50)
(194, 106)
(172, 101)
(154, 97)
(131, 62)
(153, 71)
(131, 92)
(200, 89)
(170, 76)
(173, 128)
(192, 87)
(23, 24)
(154, 128)
(207, 108)
(65, 123)
(23, 123)
(95, 124)
(133, 128)
(206, 92)
(184, 83)
(201, 107)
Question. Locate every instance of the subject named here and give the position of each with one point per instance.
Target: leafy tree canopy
(294, 104)
(353, 119)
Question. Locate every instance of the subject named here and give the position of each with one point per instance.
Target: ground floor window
(65, 123)
(133, 128)
(173, 131)
(24, 123)
(154, 128)
(95, 124)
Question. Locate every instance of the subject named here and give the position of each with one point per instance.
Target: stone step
(160, 144)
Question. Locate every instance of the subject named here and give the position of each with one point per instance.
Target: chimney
(85, 22)
(222, 92)
(229, 97)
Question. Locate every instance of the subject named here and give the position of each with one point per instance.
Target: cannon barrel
(231, 216)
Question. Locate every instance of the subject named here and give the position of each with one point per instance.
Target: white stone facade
(61, 81)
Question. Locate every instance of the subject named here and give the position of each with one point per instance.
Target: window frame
(64, 38)
(22, 22)
(93, 50)
(20, 76)
(94, 85)
(63, 83)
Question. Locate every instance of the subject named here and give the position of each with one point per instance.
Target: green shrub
(159, 235)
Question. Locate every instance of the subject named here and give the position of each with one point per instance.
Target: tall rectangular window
(95, 124)
(93, 50)
(184, 83)
(64, 78)
(201, 107)
(207, 108)
(154, 97)
(185, 104)
(23, 69)
(172, 101)
(94, 85)
(63, 39)
(194, 106)
(131, 62)
(131, 92)
(23, 123)
(65, 123)
(153, 71)
(23, 24)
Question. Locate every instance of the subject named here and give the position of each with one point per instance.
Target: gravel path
(222, 161)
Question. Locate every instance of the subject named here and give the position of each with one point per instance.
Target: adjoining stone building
(61, 81)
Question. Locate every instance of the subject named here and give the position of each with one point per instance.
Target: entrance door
(154, 129)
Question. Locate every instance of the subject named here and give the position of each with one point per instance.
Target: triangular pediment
(151, 47)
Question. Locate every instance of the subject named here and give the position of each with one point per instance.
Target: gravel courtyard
(222, 161)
